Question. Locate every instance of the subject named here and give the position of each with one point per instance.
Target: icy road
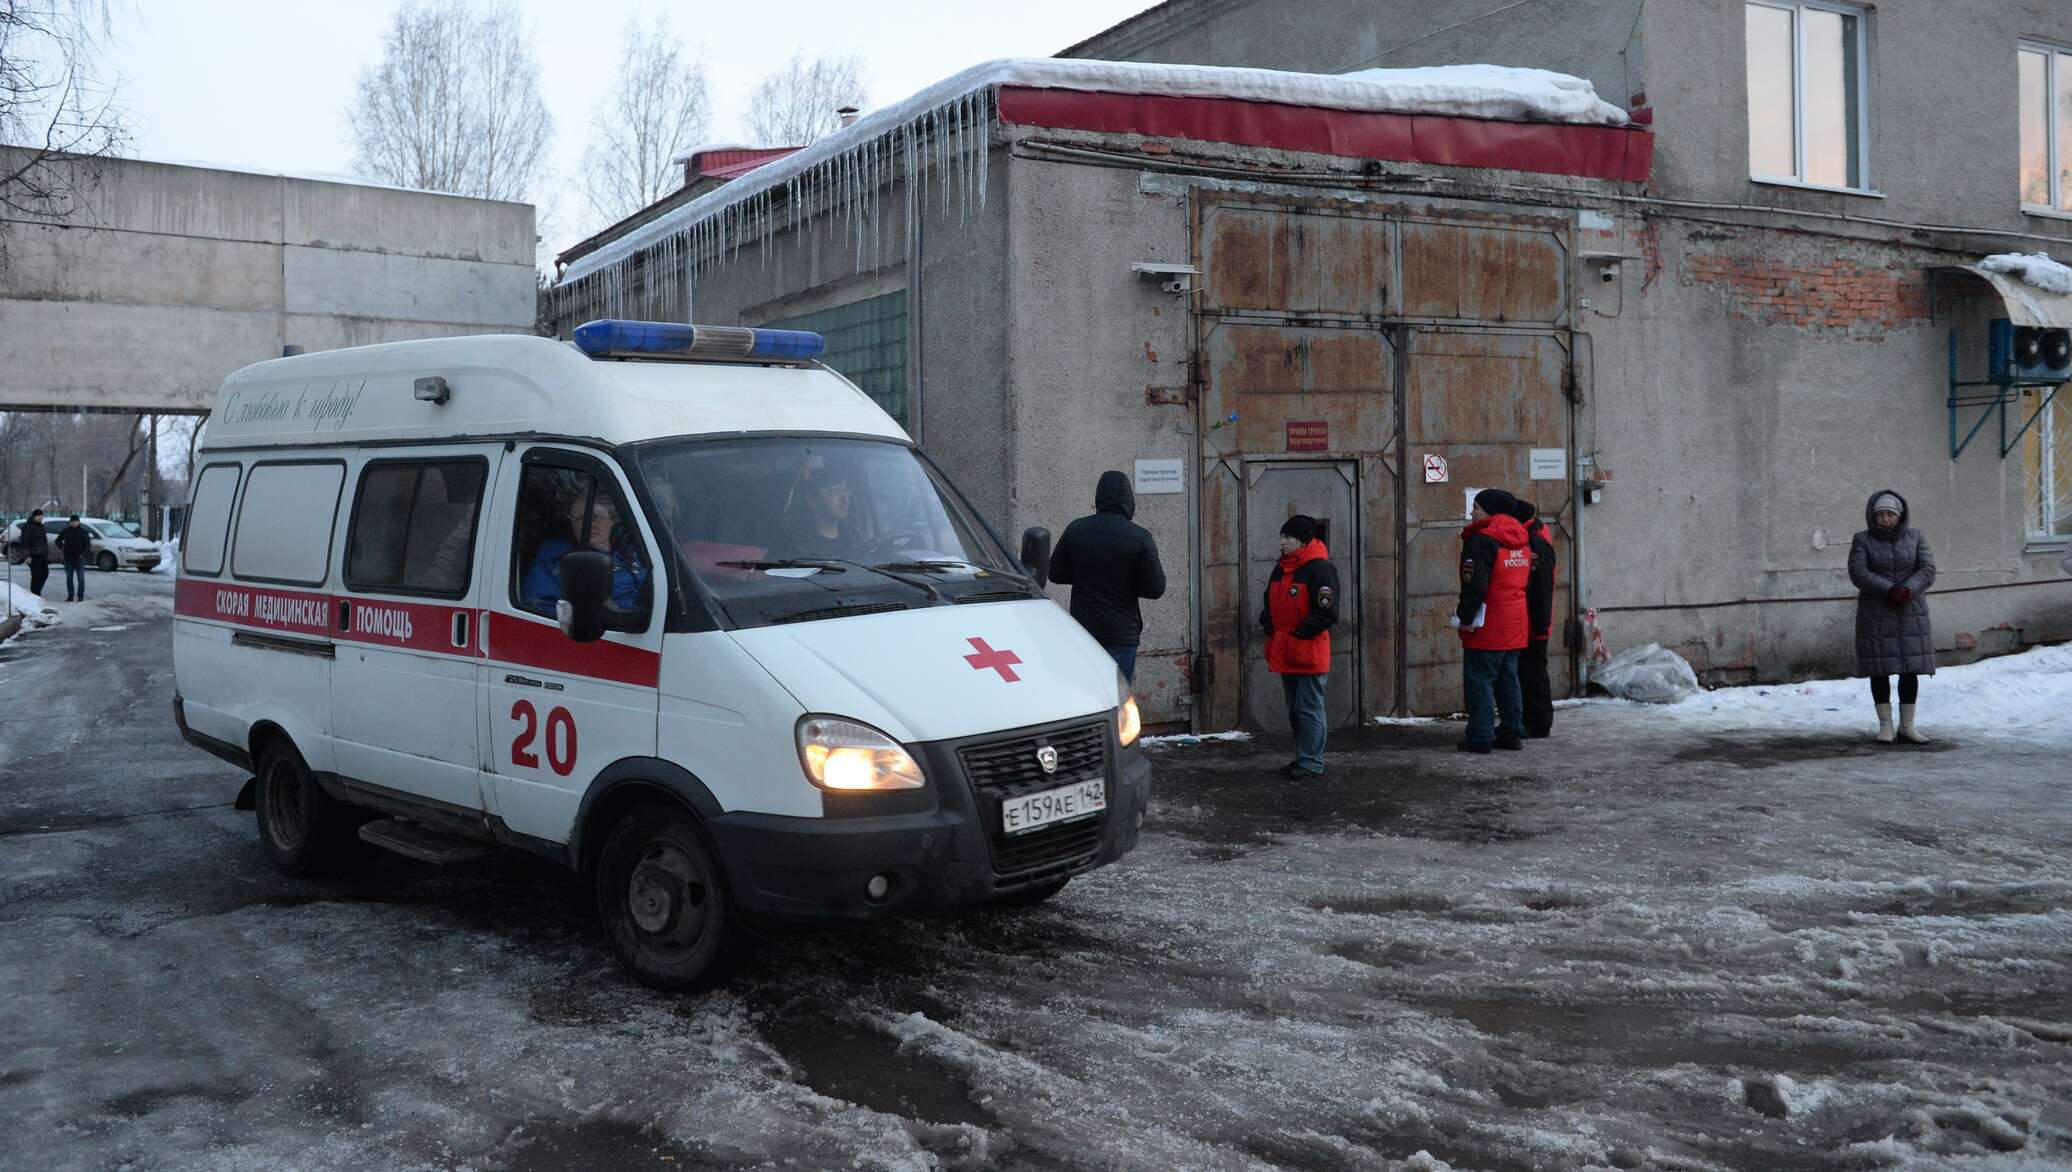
(1688, 938)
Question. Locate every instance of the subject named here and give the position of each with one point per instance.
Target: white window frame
(1798, 95)
(2045, 533)
(2051, 53)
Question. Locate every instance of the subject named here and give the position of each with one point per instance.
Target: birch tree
(796, 105)
(56, 117)
(454, 105)
(657, 109)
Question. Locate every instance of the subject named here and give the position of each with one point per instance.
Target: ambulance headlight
(847, 757)
(1129, 723)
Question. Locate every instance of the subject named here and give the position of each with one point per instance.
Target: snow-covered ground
(1686, 937)
(2027, 695)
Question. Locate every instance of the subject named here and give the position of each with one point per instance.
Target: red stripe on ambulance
(542, 645)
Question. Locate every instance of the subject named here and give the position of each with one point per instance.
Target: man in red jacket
(1301, 606)
(1495, 564)
(1539, 613)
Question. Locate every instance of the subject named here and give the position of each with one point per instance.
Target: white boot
(1885, 724)
(1907, 731)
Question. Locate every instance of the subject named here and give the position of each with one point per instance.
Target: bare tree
(455, 103)
(656, 110)
(797, 104)
(56, 116)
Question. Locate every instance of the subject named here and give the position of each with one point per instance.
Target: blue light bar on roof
(614, 336)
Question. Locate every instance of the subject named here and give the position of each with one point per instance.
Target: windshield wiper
(787, 564)
(942, 565)
(836, 565)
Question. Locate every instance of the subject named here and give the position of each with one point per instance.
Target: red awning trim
(1622, 153)
(732, 162)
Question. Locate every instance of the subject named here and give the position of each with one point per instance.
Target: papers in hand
(1481, 616)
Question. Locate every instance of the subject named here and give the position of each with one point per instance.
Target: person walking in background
(1301, 607)
(35, 545)
(73, 545)
(1495, 564)
(1892, 569)
(1110, 563)
(1537, 690)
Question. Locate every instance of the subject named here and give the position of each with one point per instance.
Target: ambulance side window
(285, 524)
(208, 520)
(562, 508)
(413, 526)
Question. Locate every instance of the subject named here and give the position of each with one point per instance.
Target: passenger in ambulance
(542, 585)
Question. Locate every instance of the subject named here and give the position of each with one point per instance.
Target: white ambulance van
(674, 605)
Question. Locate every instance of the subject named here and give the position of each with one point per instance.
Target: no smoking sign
(1435, 470)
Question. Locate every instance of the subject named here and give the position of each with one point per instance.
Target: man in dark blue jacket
(1110, 563)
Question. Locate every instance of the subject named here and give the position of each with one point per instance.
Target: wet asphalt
(1626, 948)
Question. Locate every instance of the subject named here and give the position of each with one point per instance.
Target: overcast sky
(265, 83)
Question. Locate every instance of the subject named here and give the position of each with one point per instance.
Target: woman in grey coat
(1892, 569)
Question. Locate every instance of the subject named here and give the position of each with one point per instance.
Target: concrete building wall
(1944, 130)
(1751, 388)
(1099, 360)
(173, 276)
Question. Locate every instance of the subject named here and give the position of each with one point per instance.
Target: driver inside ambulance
(817, 523)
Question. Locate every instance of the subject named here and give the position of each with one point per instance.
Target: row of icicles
(843, 191)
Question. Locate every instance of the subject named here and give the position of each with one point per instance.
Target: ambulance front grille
(1006, 769)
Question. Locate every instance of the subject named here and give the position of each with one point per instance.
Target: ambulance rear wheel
(663, 900)
(303, 830)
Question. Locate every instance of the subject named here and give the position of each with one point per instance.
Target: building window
(866, 342)
(2044, 80)
(1806, 120)
(2047, 468)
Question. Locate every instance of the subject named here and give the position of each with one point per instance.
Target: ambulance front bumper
(932, 849)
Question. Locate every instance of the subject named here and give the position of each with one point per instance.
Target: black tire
(106, 562)
(1031, 896)
(303, 830)
(663, 900)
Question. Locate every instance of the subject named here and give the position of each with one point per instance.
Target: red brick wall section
(1836, 296)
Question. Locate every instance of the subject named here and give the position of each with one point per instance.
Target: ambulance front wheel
(663, 902)
(303, 830)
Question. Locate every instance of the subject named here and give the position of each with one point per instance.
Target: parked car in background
(115, 546)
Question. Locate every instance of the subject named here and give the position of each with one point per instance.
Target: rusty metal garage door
(1366, 336)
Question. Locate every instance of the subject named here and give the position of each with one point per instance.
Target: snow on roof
(1470, 91)
(2033, 268)
(337, 177)
(691, 152)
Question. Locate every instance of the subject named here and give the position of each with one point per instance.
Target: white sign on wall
(1435, 469)
(1549, 464)
(1159, 476)
(1467, 512)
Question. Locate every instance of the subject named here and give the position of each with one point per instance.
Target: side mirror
(586, 585)
(1036, 553)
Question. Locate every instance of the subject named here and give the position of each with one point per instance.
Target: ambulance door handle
(460, 629)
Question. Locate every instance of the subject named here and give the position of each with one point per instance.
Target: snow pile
(1184, 739)
(1493, 91)
(947, 127)
(15, 599)
(2033, 268)
(168, 558)
(2027, 693)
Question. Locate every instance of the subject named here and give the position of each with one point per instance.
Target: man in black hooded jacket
(1110, 563)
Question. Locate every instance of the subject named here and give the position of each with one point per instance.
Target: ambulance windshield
(786, 529)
